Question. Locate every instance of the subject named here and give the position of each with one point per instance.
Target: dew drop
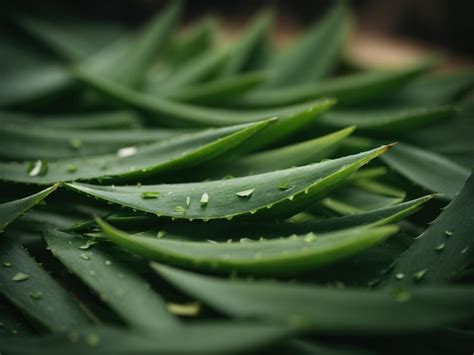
(211, 241)
(417, 276)
(440, 247)
(126, 152)
(464, 250)
(245, 240)
(245, 193)
(188, 201)
(20, 276)
(448, 233)
(400, 276)
(36, 295)
(38, 168)
(85, 256)
(284, 185)
(149, 194)
(87, 244)
(204, 199)
(179, 209)
(7, 264)
(161, 234)
(108, 262)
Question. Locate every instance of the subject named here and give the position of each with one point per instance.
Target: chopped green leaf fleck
(20, 276)
(245, 193)
(204, 199)
(150, 194)
(36, 295)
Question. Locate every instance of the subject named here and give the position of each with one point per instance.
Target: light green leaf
(314, 55)
(20, 141)
(137, 162)
(389, 121)
(427, 169)
(348, 89)
(257, 257)
(329, 310)
(247, 44)
(12, 210)
(306, 183)
(171, 113)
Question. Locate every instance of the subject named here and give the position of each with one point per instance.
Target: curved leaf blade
(427, 169)
(12, 210)
(38, 295)
(138, 162)
(240, 196)
(119, 287)
(266, 257)
(329, 310)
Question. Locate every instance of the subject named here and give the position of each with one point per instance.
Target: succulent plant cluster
(210, 196)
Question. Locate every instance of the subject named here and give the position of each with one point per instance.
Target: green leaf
(171, 113)
(306, 184)
(194, 71)
(249, 42)
(350, 200)
(197, 338)
(265, 257)
(216, 91)
(440, 88)
(20, 141)
(315, 55)
(387, 120)
(222, 231)
(138, 162)
(12, 210)
(71, 39)
(348, 89)
(427, 169)
(329, 310)
(191, 43)
(55, 309)
(286, 157)
(445, 250)
(119, 287)
(142, 52)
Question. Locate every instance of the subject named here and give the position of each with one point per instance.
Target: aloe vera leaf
(289, 156)
(329, 310)
(248, 42)
(240, 196)
(444, 250)
(23, 142)
(348, 89)
(200, 338)
(217, 91)
(105, 120)
(194, 71)
(452, 139)
(427, 169)
(118, 286)
(379, 188)
(12, 210)
(144, 49)
(388, 120)
(315, 55)
(136, 162)
(27, 76)
(350, 200)
(71, 39)
(306, 347)
(440, 88)
(222, 231)
(171, 113)
(268, 257)
(55, 308)
(193, 42)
